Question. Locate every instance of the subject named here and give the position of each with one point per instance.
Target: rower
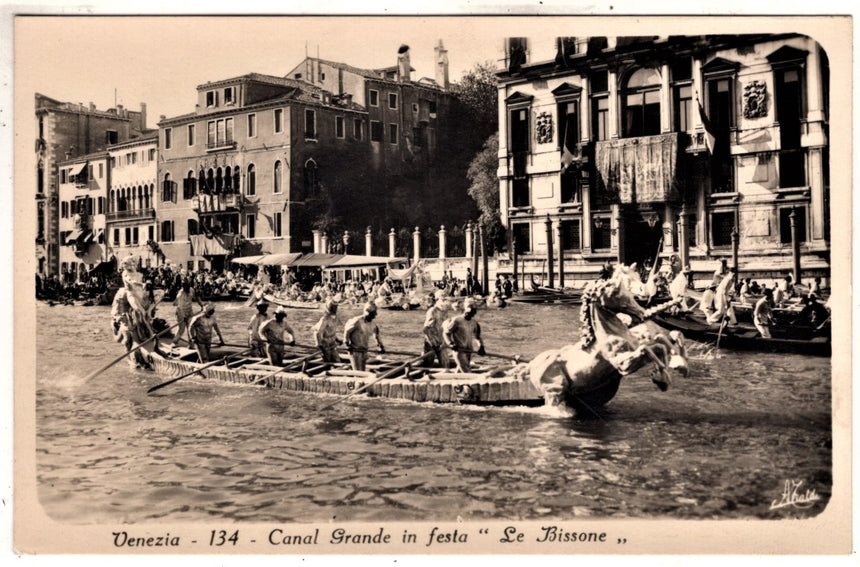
(433, 341)
(274, 332)
(200, 329)
(463, 335)
(357, 333)
(325, 333)
(255, 341)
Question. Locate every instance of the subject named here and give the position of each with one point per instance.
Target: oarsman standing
(433, 340)
(255, 341)
(763, 315)
(184, 304)
(325, 333)
(357, 333)
(124, 328)
(274, 332)
(200, 329)
(463, 335)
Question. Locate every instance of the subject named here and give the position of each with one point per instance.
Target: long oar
(135, 349)
(198, 370)
(720, 332)
(294, 364)
(516, 358)
(383, 376)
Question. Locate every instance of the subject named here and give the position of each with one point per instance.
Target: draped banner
(638, 170)
(219, 245)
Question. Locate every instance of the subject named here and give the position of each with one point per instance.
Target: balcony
(218, 203)
(135, 214)
(219, 145)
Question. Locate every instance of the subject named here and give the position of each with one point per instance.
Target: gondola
(744, 336)
(484, 386)
(291, 303)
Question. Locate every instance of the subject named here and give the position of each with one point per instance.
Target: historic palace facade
(708, 147)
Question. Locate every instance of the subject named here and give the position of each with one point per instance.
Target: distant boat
(744, 336)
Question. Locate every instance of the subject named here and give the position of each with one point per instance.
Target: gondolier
(463, 335)
(277, 333)
(357, 333)
(255, 341)
(200, 329)
(325, 333)
(126, 327)
(433, 341)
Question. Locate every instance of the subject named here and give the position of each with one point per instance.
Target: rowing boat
(744, 336)
(491, 386)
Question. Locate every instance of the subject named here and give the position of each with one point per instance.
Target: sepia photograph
(410, 285)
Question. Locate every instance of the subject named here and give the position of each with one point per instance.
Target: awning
(316, 260)
(278, 259)
(354, 261)
(73, 236)
(403, 274)
(108, 267)
(78, 168)
(246, 260)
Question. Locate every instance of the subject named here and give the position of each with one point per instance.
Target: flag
(568, 143)
(710, 139)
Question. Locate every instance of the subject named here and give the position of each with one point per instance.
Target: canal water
(720, 443)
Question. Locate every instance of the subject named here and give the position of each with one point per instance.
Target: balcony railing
(218, 203)
(131, 214)
(220, 145)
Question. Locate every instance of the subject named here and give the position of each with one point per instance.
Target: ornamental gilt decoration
(543, 127)
(755, 99)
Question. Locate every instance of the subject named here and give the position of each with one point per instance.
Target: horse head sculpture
(588, 373)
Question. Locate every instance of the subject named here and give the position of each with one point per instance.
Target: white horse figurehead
(591, 370)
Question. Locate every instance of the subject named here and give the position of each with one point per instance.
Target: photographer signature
(792, 496)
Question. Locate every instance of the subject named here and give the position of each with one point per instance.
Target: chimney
(441, 66)
(142, 116)
(403, 63)
(120, 111)
(92, 106)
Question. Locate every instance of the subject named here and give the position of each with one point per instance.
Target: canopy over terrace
(353, 267)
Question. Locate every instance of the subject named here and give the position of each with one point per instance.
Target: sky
(161, 60)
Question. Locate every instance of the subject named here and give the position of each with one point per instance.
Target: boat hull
(744, 337)
(422, 386)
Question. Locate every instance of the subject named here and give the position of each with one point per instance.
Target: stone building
(64, 131)
(620, 149)
(131, 199)
(264, 160)
(83, 184)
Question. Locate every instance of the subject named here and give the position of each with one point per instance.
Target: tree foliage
(478, 94)
(484, 188)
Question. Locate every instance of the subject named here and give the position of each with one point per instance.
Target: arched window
(640, 101)
(140, 197)
(236, 179)
(190, 185)
(219, 181)
(311, 178)
(252, 180)
(133, 204)
(228, 181)
(210, 180)
(167, 188)
(147, 195)
(277, 177)
(122, 199)
(112, 203)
